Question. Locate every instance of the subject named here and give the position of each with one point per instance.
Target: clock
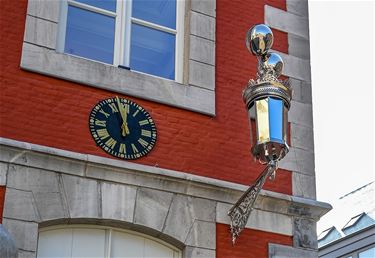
(122, 128)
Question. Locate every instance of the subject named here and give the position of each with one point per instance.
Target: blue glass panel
(276, 119)
(109, 5)
(162, 12)
(152, 51)
(90, 35)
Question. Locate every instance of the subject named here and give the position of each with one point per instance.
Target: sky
(342, 61)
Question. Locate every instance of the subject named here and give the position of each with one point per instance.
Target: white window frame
(177, 253)
(123, 21)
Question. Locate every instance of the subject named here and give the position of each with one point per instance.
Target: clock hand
(123, 113)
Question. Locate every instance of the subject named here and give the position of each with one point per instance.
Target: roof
(352, 212)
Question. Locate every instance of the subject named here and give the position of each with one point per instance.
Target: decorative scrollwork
(240, 212)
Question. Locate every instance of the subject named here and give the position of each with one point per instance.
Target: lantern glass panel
(263, 131)
(276, 119)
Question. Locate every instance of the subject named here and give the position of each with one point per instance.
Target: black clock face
(122, 128)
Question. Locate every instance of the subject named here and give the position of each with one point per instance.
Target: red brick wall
(250, 244)
(2, 199)
(52, 112)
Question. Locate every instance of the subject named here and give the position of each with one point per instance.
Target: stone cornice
(90, 166)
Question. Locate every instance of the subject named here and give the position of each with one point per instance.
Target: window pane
(90, 35)
(109, 5)
(55, 243)
(370, 253)
(162, 12)
(88, 242)
(152, 51)
(126, 245)
(156, 250)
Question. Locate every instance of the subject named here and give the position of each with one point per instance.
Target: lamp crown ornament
(267, 99)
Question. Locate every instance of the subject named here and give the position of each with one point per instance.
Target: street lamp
(267, 100)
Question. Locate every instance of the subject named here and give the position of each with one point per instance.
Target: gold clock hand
(123, 113)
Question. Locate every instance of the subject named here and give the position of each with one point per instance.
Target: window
(143, 35)
(89, 241)
(103, 47)
(369, 253)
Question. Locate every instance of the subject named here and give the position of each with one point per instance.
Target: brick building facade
(53, 174)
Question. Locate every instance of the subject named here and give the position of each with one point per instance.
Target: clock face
(122, 128)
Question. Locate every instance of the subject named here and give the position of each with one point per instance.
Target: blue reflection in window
(152, 51)
(90, 35)
(162, 12)
(109, 5)
(276, 119)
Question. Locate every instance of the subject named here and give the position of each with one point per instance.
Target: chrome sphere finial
(272, 62)
(259, 39)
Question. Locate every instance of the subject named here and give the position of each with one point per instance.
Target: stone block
(299, 160)
(3, 173)
(301, 91)
(46, 61)
(25, 234)
(26, 254)
(204, 6)
(202, 209)
(20, 205)
(202, 50)
(152, 207)
(50, 205)
(45, 189)
(48, 10)
(40, 32)
(118, 201)
(298, 46)
(296, 67)
(182, 213)
(82, 196)
(299, 7)
(285, 21)
(180, 218)
(201, 75)
(283, 251)
(305, 233)
(202, 26)
(195, 252)
(302, 137)
(304, 186)
(301, 114)
(202, 234)
(32, 179)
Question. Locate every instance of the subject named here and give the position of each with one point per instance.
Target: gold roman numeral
(113, 107)
(122, 148)
(142, 142)
(111, 143)
(104, 113)
(100, 122)
(146, 133)
(102, 133)
(127, 108)
(144, 122)
(136, 113)
(135, 150)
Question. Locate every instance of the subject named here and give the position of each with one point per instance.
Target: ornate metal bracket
(241, 210)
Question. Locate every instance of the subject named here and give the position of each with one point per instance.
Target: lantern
(267, 99)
